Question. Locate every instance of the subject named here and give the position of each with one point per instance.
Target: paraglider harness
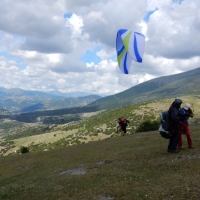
(164, 125)
(125, 124)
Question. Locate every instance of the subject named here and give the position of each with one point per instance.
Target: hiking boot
(191, 147)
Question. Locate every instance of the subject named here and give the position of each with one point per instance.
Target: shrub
(77, 141)
(148, 126)
(24, 150)
(93, 134)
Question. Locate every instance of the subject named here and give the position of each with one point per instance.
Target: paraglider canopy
(129, 46)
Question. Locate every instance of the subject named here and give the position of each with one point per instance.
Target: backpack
(164, 125)
(126, 122)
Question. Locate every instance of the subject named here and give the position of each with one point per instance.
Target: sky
(69, 46)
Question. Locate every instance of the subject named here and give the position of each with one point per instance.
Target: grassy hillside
(135, 166)
(88, 160)
(93, 127)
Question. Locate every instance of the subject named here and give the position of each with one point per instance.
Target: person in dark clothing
(174, 125)
(124, 125)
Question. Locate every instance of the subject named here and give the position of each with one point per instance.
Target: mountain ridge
(18, 100)
(182, 84)
(158, 88)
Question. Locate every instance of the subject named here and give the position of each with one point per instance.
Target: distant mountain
(18, 100)
(159, 88)
(4, 112)
(48, 111)
(70, 94)
(61, 103)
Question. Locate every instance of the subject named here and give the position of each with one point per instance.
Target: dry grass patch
(38, 139)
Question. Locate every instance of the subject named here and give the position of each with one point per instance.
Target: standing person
(124, 125)
(174, 125)
(186, 112)
(120, 123)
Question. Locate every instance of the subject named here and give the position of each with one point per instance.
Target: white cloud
(95, 17)
(75, 22)
(54, 58)
(103, 54)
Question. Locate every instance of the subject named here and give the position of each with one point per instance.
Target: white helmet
(187, 106)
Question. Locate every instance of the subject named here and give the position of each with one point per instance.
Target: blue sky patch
(146, 18)
(178, 1)
(67, 15)
(19, 61)
(91, 56)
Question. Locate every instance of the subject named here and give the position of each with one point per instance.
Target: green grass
(96, 127)
(135, 166)
(28, 132)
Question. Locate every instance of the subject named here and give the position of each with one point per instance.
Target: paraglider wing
(129, 46)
